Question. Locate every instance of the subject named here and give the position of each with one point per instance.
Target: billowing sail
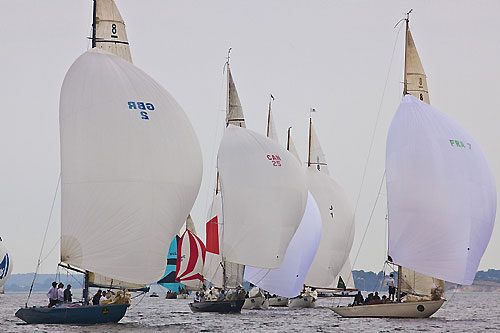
(345, 277)
(5, 264)
(100, 281)
(131, 169)
(190, 260)
(317, 157)
(288, 280)
(234, 111)
(416, 81)
(168, 280)
(212, 270)
(110, 30)
(260, 182)
(441, 194)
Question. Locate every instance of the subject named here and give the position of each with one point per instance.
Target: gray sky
(331, 55)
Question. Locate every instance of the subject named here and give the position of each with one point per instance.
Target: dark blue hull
(79, 315)
(217, 306)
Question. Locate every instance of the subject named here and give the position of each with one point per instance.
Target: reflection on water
(473, 312)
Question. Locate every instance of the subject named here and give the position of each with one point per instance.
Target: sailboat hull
(79, 315)
(278, 301)
(256, 303)
(215, 306)
(302, 302)
(422, 309)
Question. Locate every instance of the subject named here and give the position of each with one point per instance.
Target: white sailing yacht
(287, 281)
(337, 216)
(441, 199)
(259, 182)
(122, 197)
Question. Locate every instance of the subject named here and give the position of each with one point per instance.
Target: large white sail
(419, 284)
(292, 149)
(317, 156)
(131, 169)
(5, 264)
(415, 78)
(288, 280)
(110, 30)
(272, 133)
(260, 182)
(337, 215)
(234, 111)
(441, 194)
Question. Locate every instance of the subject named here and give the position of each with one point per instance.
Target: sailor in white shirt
(52, 294)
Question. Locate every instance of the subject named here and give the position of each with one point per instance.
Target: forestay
(260, 182)
(441, 194)
(337, 234)
(110, 30)
(191, 257)
(288, 280)
(131, 169)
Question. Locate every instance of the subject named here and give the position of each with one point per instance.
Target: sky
(343, 58)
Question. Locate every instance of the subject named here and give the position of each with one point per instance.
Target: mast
(269, 115)
(398, 296)
(309, 151)
(228, 87)
(94, 24)
(86, 284)
(407, 28)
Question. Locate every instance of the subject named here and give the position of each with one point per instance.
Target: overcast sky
(344, 58)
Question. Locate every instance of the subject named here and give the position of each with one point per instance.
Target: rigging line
(51, 250)
(370, 219)
(373, 134)
(44, 237)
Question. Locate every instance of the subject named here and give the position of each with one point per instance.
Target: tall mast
(94, 24)
(309, 151)
(407, 29)
(228, 70)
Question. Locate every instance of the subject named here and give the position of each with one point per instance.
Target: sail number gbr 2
(142, 107)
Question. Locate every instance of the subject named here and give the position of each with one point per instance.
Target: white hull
(278, 301)
(421, 309)
(258, 302)
(302, 302)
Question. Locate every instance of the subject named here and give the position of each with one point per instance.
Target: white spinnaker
(337, 215)
(264, 195)
(212, 270)
(234, 111)
(318, 159)
(346, 275)
(128, 183)
(5, 264)
(441, 194)
(110, 30)
(416, 80)
(288, 280)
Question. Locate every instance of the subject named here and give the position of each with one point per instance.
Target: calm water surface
(464, 312)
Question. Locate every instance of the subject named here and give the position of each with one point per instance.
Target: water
(473, 312)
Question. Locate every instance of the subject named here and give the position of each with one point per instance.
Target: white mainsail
(110, 30)
(415, 78)
(190, 224)
(234, 111)
(419, 284)
(441, 194)
(131, 169)
(5, 264)
(288, 280)
(337, 215)
(260, 182)
(291, 147)
(272, 133)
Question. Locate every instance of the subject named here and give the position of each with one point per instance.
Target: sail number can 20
(145, 107)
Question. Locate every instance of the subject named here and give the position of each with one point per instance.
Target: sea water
(463, 312)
